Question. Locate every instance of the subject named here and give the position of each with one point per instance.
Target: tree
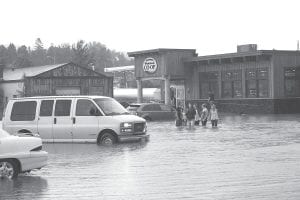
(38, 55)
(23, 58)
(81, 54)
(3, 53)
(11, 54)
(38, 44)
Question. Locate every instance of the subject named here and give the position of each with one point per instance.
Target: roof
(240, 54)
(52, 97)
(160, 50)
(222, 56)
(11, 74)
(15, 74)
(119, 69)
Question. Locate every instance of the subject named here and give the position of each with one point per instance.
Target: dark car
(152, 111)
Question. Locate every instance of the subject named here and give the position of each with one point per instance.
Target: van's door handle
(74, 120)
(54, 120)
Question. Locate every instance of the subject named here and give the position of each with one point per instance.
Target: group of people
(193, 116)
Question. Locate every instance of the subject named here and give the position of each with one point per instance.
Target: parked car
(73, 119)
(152, 111)
(20, 154)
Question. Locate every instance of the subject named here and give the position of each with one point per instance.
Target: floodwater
(246, 157)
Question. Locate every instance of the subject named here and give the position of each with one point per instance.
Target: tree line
(93, 54)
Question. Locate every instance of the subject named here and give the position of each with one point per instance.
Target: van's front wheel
(107, 139)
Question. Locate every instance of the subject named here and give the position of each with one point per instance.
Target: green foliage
(84, 54)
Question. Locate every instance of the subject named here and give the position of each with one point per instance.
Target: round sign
(150, 65)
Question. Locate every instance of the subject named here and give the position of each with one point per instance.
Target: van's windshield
(111, 106)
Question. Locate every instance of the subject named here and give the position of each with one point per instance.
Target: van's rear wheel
(8, 169)
(108, 139)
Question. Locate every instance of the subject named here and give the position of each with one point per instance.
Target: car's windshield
(3, 133)
(110, 106)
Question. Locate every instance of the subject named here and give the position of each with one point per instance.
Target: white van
(73, 119)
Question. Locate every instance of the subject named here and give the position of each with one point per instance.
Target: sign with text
(150, 65)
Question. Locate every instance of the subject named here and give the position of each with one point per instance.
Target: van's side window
(63, 107)
(23, 111)
(46, 108)
(84, 107)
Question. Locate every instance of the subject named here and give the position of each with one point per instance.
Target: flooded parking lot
(247, 157)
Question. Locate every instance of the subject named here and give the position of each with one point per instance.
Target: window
(251, 88)
(292, 82)
(83, 107)
(263, 88)
(227, 89)
(257, 83)
(232, 84)
(46, 108)
(110, 106)
(237, 89)
(23, 111)
(208, 84)
(165, 108)
(63, 107)
(151, 107)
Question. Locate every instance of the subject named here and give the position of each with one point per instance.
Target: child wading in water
(204, 115)
(214, 117)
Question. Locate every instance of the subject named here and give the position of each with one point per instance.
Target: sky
(210, 27)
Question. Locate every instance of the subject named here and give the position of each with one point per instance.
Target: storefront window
(251, 88)
(227, 89)
(292, 82)
(208, 84)
(257, 85)
(237, 89)
(232, 84)
(263, 88)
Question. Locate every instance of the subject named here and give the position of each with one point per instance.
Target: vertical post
(140, 91)
(167, 91)
(220, 84)
(244, 82)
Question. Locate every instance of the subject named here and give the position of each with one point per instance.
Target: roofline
(240, 54)
(226, 55)
(159, 50)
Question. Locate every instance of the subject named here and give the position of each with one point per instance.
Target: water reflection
(24, 187)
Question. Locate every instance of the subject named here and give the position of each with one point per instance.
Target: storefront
(247, 81)
(165, 65)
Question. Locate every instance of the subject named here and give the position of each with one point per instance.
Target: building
(60, 79)
(247, 81)
(123, 76)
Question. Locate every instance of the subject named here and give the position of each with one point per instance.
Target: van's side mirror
(94, 112)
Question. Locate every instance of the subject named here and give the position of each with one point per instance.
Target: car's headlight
(126, 127)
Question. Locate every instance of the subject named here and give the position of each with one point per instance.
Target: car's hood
(14, 144)
(128, 118)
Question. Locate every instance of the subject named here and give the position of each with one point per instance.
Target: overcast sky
(209, 26)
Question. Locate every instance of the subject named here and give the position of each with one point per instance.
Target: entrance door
(85, 123)
(180, 96)
(45, 120)
(62, 121)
